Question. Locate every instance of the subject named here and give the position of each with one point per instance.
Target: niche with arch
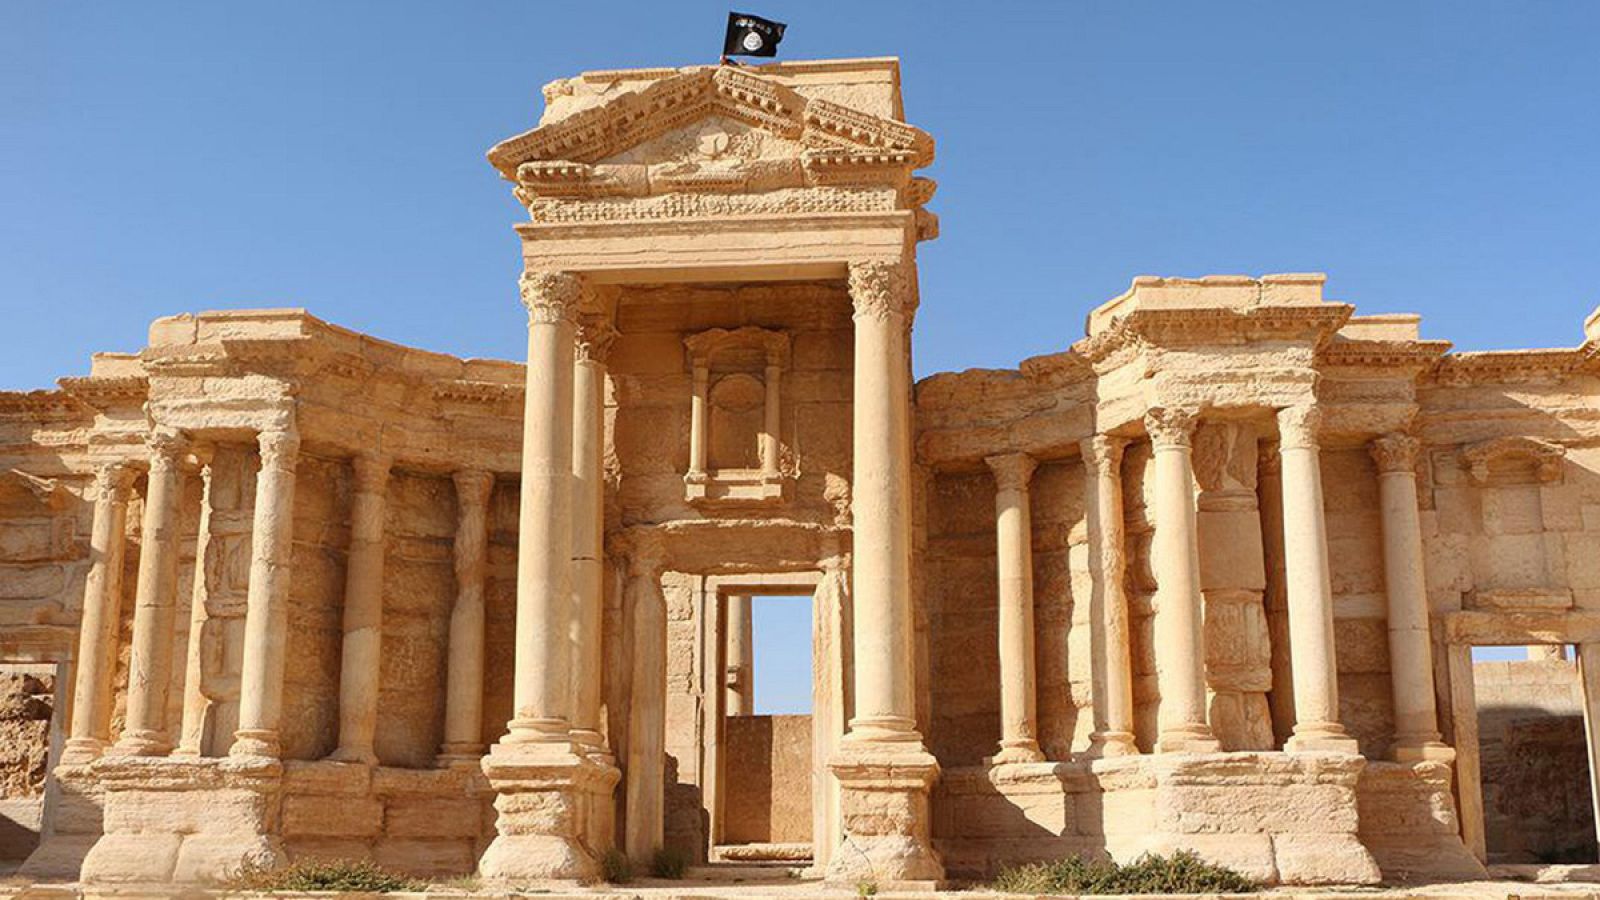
(735, 441)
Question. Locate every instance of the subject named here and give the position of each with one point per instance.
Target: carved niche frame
(735, 361)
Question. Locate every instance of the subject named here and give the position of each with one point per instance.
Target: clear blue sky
(1432, 157)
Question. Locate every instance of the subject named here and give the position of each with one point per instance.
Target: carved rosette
(1396, 453)
(594, 339)
(1171, 427)
(1012, 470)
(1298, 427)
(551, 297)
(112, 481)
(880, 290)
(166, 448)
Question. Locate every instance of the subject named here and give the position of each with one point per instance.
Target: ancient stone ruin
(1208, 578)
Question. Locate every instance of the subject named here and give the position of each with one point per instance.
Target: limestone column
(196, 705)
(546, 786)
(362, 650)
(1309, 588)
(1416, 720)
(697, 423)
(645, 828)
(740, 658)
(102, 598)
(1102, 458)
(463, 708)
(881, 507)
(588, 527)
(1180, 640)
(542, 695)
(1019, 717)
(144, 732)
(881, 765)
(266, 618)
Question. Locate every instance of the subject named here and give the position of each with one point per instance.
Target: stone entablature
(1207, 578)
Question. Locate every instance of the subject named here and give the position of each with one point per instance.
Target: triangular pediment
(629, 126)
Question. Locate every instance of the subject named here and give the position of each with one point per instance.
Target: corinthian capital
(879, 290)
(371, 471)
(550, 297)
(166, 446)
(279, 449)
(112, 481)
(594, 338)
(1396, 452)
(1103, 452)
(1171, 426)
(1012, 470)
(1298, 427)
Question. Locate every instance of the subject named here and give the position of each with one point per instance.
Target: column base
(1320, 737)
(884, 792)
(1415, 751)
(1106, 744)
(466, 756)
(255, 743)
(354, 756)
(1191, 737)
(80, 751)
(1016, 752)
(141, 743)
(544, 794)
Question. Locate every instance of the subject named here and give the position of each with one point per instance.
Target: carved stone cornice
(1548, 458)
(1396, 452)
(551, 298)
(1012, 471)
(1197, 326)
(1411, 357)
(773, 344)
(103, 392)
(1513, 366)
(468, 391)
(880, 290)
(1298, 427)
(39, 403)
(1171, 426)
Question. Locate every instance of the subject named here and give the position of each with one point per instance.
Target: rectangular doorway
(767, 753)
(1533, 756)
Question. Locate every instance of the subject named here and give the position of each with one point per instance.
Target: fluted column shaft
(588, 528)
(1309, 588)
(885, 700)
(463, 710)
(102, 597)
(266, 618)
(1102, 458)
(1179, 634)
(155, 603)
(1019, 717)
(362, 650)
(740, 661)
(542, 694)
(1416, 718)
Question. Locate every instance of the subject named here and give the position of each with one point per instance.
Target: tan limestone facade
(1208, 578)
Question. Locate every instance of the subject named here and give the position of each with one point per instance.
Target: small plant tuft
(1181, 873)
(669, 862)
(322, 875)
(615, 867)
(866, 889)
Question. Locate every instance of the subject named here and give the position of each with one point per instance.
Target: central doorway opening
(767, 728)
(1533, 755)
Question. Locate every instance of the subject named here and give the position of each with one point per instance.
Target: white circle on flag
(752, 41)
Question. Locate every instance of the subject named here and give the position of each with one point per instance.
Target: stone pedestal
(884, 804)
(185, 821)
(544, 797)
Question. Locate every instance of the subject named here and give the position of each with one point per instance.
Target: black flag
(751, 36)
